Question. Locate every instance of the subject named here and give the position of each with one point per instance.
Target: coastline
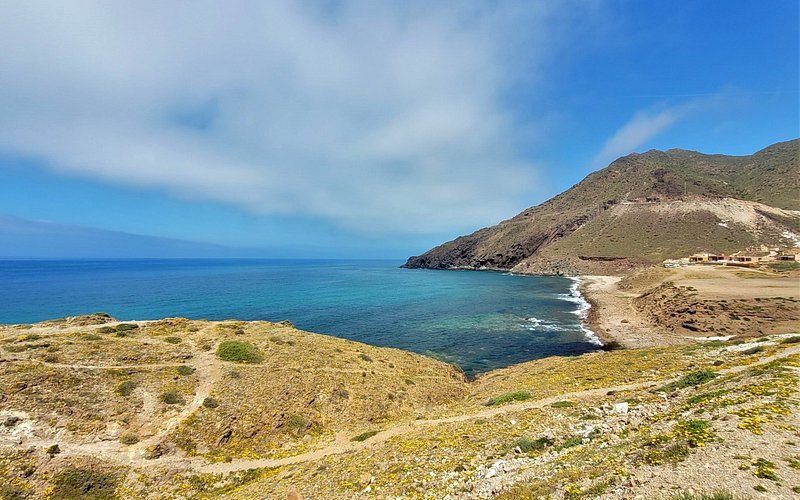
(614, 319)
(585, 308)
(592, 317)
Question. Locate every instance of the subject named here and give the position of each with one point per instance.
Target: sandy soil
(724, 282)
(617, 316)
(614, 318)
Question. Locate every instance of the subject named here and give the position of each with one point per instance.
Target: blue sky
(360, 129)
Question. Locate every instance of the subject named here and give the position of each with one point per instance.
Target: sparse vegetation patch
(171, 398)
(690, 380)
(87, 484)
(364, 436)
(509, 397)
(185, 370)
(125, 388)
(239, 352)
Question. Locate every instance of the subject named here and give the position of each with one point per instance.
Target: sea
(477, 320)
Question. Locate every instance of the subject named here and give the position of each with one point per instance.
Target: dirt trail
(208, 371)
(141, 366)
(342, 445)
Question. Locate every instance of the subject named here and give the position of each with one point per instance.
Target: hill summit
(639, 210)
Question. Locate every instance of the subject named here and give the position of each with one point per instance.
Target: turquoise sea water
(476, 320)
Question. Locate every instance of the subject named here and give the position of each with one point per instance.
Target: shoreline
(617, 322)
(585, 308)
(592, 316)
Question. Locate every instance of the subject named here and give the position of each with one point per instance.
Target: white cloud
(378, 116)
(637, 131)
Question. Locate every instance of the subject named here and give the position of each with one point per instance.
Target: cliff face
(639, 210)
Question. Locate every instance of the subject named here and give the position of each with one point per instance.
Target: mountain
(44, 239)
(639, 210)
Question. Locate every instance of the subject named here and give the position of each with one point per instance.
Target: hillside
(94, 408)
(639, 210)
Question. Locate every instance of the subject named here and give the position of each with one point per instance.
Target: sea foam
(575, 296)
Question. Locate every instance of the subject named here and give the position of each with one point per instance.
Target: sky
(357, 129)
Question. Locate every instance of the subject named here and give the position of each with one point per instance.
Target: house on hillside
(698, 257)
(790, 254)
(706, 257)
(752, 257)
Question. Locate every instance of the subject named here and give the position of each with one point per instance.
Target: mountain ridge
(624, 216)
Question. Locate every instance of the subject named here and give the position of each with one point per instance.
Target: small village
(752, 256)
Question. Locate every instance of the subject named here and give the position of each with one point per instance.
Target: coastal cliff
(638, 211)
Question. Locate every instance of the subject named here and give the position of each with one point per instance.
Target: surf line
(575, 296)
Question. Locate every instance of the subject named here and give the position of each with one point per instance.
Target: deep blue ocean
(476, 320)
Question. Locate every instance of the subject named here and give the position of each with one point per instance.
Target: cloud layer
(375, 117)
(642, 127)
(649, 123)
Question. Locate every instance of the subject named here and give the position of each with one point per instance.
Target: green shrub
(528, 445)
(364, 436)
(365, 357)
(125, 388)
(129, 438)
(508, 397)
(13, 492)
(185, 370)
(563, 404)
(210, 402)
(125, 327)
(173, 340)
(794, 339)
(171, 398)
(85, 483)
(690, 380)
(92, 336)
(239, 352)
(696, 432)
(784, 265)
(677, 452)
(53, 450)
(573, 441)
(299, 426)
(106, 329)
(765, 469)
(753, 350)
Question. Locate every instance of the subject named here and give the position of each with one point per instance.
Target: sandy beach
(658, 306)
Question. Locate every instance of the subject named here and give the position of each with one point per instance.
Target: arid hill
(639, 210)
(93, 408)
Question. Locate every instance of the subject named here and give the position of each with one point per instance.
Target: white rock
(621, 407)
